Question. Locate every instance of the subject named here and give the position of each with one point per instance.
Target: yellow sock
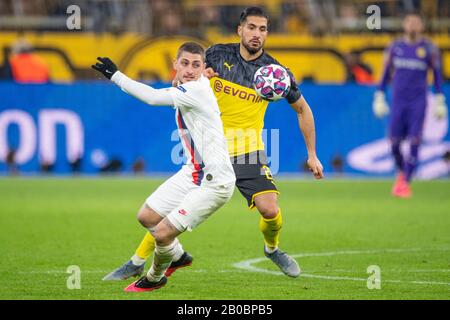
(146, 247)
(271, 230)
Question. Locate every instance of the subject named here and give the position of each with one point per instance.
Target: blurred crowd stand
(196, 17)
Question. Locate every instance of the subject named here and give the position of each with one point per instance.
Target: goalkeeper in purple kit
(407, 63)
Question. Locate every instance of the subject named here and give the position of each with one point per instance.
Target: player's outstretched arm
(145, 93)
(306, 123)
(380, 106)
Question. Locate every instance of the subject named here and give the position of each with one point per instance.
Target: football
(272, 82)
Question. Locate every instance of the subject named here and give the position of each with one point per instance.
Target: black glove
(105, 66)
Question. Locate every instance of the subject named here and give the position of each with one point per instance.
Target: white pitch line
(248, 264)
(384, 270)
(59, 271)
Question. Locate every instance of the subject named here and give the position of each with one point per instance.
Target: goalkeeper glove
(380, 107)
(105, 66)
(440, 107)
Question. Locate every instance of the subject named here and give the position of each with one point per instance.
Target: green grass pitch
(336, 229)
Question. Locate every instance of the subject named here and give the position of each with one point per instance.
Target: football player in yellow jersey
(231, 68)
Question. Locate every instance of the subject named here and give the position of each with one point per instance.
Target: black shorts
(253, 176)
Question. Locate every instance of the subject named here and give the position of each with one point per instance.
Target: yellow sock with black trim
(271, 230)
(146, 247)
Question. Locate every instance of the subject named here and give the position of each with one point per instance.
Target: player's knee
(269, 210)
(147, 217)
(267, 205)
(146, 220)
(142, 219)
(162, 237)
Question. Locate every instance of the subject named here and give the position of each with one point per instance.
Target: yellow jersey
(242, 110)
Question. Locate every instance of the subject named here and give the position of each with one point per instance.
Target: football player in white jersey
(205, 182)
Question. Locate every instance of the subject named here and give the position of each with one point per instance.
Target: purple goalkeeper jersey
(408, 64)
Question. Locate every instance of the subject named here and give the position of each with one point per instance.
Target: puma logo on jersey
(228, 66)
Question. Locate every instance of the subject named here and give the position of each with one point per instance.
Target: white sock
(270, 250)
(161, 261)
(178, 250)
(137, 261)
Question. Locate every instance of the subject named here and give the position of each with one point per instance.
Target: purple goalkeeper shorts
(407, 119)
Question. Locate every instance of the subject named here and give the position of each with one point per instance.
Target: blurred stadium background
(74, 123)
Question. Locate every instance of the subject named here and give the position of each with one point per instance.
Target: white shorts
(185, 204)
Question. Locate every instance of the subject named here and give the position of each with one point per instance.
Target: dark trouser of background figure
(407, 121)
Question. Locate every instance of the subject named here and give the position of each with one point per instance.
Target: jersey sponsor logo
(182, 212)
(411, 64)
(182, 89)
(236, 92)
(421, 52)
(228, 66)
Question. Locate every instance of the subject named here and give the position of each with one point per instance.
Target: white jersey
(199, 125)
(201, 132)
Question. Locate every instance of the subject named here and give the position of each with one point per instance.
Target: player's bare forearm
(307, 127)
(306, 124)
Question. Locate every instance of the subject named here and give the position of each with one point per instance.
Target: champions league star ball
(272, 82)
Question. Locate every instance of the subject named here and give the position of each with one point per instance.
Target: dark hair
(253, 12)
(413, 13)
(191, 47)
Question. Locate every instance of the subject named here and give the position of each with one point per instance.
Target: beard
(250, 49)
